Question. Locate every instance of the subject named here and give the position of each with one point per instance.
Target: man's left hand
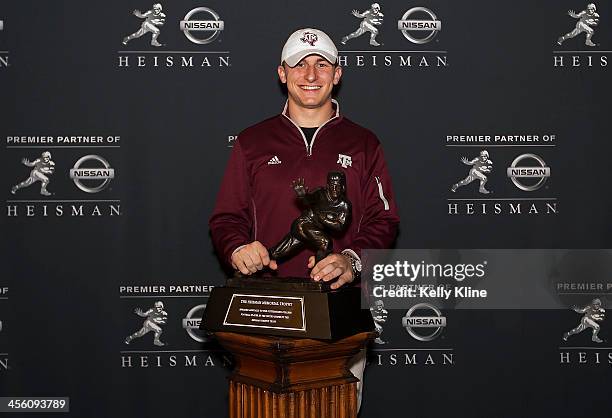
(332, 266)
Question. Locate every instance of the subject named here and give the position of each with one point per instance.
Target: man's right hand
(252, 258)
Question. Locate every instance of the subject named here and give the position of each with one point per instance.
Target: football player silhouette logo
(481, 166)
(42, 167)
(587, 19)
(155, 317)
(153, 19)
(371, 18)
(593, 313)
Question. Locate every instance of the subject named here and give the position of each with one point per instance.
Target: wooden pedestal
(281, 377)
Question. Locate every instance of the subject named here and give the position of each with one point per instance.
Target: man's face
(335, 188)
(311, 81)
(591, 8)
(156, 9)
(375, 8)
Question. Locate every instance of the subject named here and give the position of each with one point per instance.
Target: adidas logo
(274, 160)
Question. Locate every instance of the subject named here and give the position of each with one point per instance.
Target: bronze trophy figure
(326, 211)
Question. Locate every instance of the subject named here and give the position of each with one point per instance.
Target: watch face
(355, 263)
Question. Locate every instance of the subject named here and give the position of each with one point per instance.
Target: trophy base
(291, 307)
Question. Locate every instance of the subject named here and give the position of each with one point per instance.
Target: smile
(310, 87)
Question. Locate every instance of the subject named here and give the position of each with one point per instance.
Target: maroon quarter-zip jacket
(256, 201)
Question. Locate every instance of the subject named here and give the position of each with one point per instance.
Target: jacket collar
(331, 121)
(335, 105)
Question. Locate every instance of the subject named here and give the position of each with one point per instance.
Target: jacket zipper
(314, 136)
(309, 146)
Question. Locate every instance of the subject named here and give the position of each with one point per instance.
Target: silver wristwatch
(355, 263)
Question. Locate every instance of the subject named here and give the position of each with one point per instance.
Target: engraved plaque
(266, 311)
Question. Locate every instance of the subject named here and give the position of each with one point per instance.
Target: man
(153, 19)
(587, 20)
(43, 167)
(593, 313)
(256, 203)
(156, 316)
(481, 166)
(371, 18)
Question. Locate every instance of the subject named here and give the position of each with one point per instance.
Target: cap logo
(309, 38)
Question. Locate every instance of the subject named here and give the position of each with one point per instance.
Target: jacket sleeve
(378, 226)
(231, 222)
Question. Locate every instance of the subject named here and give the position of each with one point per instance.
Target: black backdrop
(65, 303)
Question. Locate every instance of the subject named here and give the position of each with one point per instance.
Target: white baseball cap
(304, 42)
